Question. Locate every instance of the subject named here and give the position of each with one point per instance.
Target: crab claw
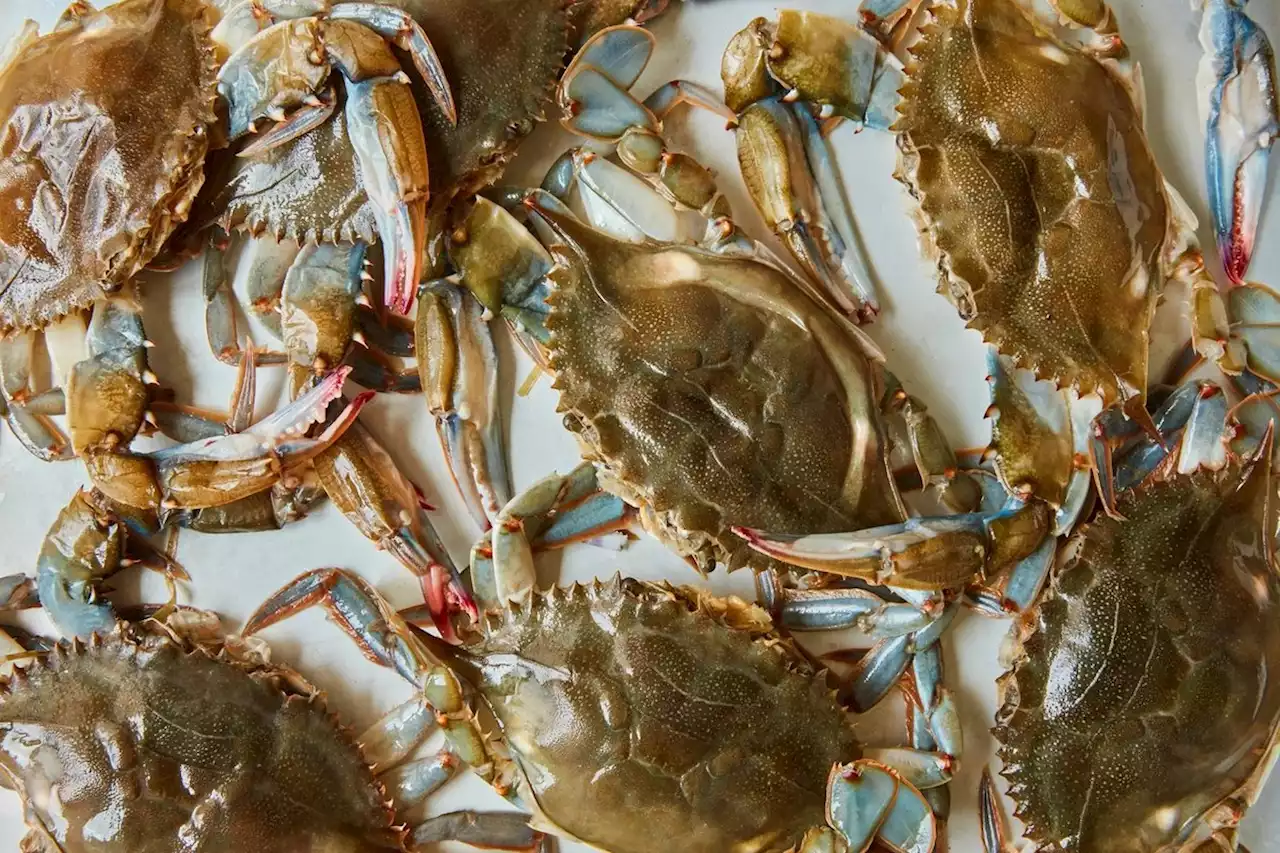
(216, 471)
(392, 153)
(1241, 111)
(385, 638)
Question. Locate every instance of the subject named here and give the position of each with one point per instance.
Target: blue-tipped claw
(1242, 119)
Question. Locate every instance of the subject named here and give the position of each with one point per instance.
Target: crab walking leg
(36, 432)
(410, 784)
(867, 800)
(86, 544)
(553, 513)
(385, 638)
(933, 455)
(1241, 111)
(107, 392)
(490, 830)
(458, 365)
(364, 482)
(18, 592)
(598, 106)
(268, 261)
(995, 835)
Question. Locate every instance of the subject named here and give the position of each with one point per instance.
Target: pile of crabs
(723, 398)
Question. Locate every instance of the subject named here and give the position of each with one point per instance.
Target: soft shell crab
(1053, 229)
(711, 389)
(1140, 712)
(166, 735)
(640, 716)
(103, 152)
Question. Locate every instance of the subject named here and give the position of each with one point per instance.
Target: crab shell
(142, 741)
(712, 392)
(1038, 194)
(103, 132)
(502, 76)
(645, 719)
(1143, 705)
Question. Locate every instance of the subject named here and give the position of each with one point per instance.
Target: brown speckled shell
(1037, 192)
(103, 132)
(1146, 689)
(712, 392)
(674, 728)
(213, 749)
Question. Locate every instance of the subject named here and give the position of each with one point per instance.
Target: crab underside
(1145, 694)
(1037, 192)
(694, 736)
(102, 136)
(161, 745)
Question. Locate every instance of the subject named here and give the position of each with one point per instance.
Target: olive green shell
(103, 133)
(645, 724)
(1148, 690)
(502, 59)
(156, 747)
(713, 392)
(1038, 192)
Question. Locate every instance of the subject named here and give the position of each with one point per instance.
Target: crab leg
(18, 592)
(867, 800)
(386, 639)
(553, 513)
(389, 741)
(490, 830)
(934, 458)
(268, 262)
(366, 485)
(107, 393)
(459, 369)
(35, 431)
(841, 609)
(791, 177)
(1241, 111)
(409, 785)
(219, 470)
(1255, 322)
(995, 837)
(941, 552)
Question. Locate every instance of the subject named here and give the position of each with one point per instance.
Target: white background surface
(923, 339)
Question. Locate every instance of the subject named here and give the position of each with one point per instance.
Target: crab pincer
(1241, 111)
(221, 469)
(363, 481)
(380, 113)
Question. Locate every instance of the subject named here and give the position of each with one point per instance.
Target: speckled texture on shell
(713, 392)
(502, 58)
(1148, 689)
(1038, 192)
(645, 724)
(164, 748)
(102, 138)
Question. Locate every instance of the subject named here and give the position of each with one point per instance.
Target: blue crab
(221, 748)
(1138, 711)
(703, 705)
